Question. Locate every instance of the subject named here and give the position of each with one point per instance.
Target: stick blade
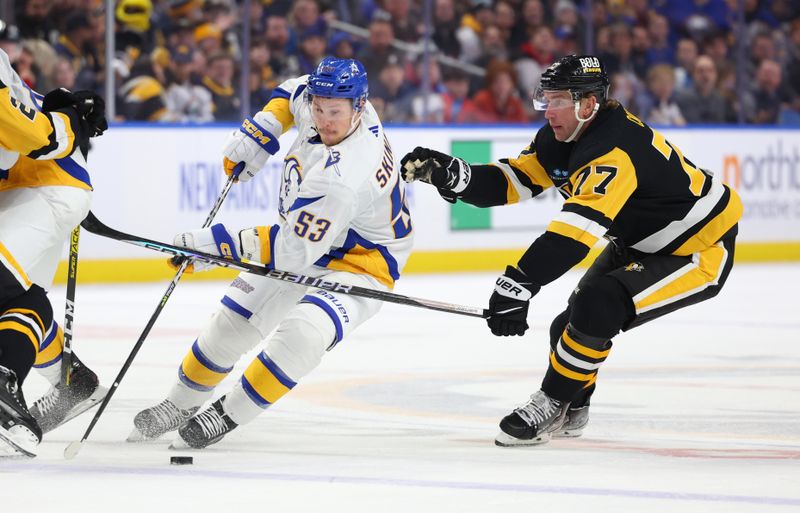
(73, 449)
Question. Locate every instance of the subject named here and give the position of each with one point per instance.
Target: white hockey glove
(247, 149)
(217, 240)
(450, 175)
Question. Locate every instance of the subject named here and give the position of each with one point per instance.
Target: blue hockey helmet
(340, 78)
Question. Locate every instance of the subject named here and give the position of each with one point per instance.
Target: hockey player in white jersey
(44, 193)
(343, 216)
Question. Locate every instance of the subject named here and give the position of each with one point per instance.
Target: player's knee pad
(601, 308)
(557, 327)
(301, 340)
(23, 324)
(226, 337)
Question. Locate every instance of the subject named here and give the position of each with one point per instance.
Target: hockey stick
(73, 448)
(69, 310)
(93, 225)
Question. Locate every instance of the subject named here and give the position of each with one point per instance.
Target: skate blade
(11, 448)
(568, 433)
(82, 407)
(505, 440)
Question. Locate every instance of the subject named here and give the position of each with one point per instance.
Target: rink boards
(159, 180)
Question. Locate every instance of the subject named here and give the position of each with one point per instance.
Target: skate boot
(19, 431)
(208, 427)
(152, 423)
(532, 423)
(64, 402)
(575, 421)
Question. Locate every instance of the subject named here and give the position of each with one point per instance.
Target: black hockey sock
(16, 353)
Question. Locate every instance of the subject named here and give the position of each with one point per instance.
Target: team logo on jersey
(291, 179)
(333, 157)
(634, 266)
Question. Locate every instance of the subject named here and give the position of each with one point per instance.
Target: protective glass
(543, 100)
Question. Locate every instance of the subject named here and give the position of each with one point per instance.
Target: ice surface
(698, 411)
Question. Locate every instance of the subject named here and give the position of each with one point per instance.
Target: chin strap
(581, 122)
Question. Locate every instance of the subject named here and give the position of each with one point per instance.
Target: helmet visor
(551, 99)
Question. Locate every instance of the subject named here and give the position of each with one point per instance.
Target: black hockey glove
(508, 306)
(450, 175)
(89, 106)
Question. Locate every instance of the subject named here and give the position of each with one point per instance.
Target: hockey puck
(181, 460)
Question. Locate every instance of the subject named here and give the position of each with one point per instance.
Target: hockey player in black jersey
(670, 227)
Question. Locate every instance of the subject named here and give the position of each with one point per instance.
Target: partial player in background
(343, 216)
(44, 193)
(670, 228)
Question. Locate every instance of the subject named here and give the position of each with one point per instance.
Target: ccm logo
(255, 132)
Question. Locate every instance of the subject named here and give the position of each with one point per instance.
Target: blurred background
(672, 63)
(719, 78)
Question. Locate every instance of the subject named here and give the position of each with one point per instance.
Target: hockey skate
(152, 423)
(19, 432)
(208, 427)
(575, 421)
(532, 423)
(63, 402)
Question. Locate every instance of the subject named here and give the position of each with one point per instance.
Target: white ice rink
(695, 412)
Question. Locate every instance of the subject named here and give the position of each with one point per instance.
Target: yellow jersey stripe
(567, 230)
(11, 263)
(585, 351)
(279, 107)
(567, 373)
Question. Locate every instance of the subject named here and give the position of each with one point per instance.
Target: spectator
(342, 45)
(661, 51)
(375, 54)
(505, 19)
(34, 20)
(26, 68)
(685, 57)
(63, 75)
(661, 85)
(624, 88)
(429, 109)
(404, 18)
(306, 18)
(395, 91)
(532, 16)
(474, 23)
(186, 101)
(143, 97)
(702, 103)
(535, 56)
(72, 44)
(219, 82)
(456, 85)
(10, 41)
(208, 38)
(764, 102)
(621, 56)
(499, 101)
(762, 48)
(312, 50)
(566, 42)
(277, 36)
(445, 28)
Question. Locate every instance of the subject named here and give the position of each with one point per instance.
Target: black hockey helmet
(578, 74)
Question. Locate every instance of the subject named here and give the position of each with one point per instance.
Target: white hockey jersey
(341, 207)
(36, 148)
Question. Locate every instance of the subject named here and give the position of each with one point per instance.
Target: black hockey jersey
(621, 180)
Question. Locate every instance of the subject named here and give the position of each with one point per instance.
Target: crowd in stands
(671, 62)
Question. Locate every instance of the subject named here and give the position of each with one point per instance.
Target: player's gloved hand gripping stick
(73, 448)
